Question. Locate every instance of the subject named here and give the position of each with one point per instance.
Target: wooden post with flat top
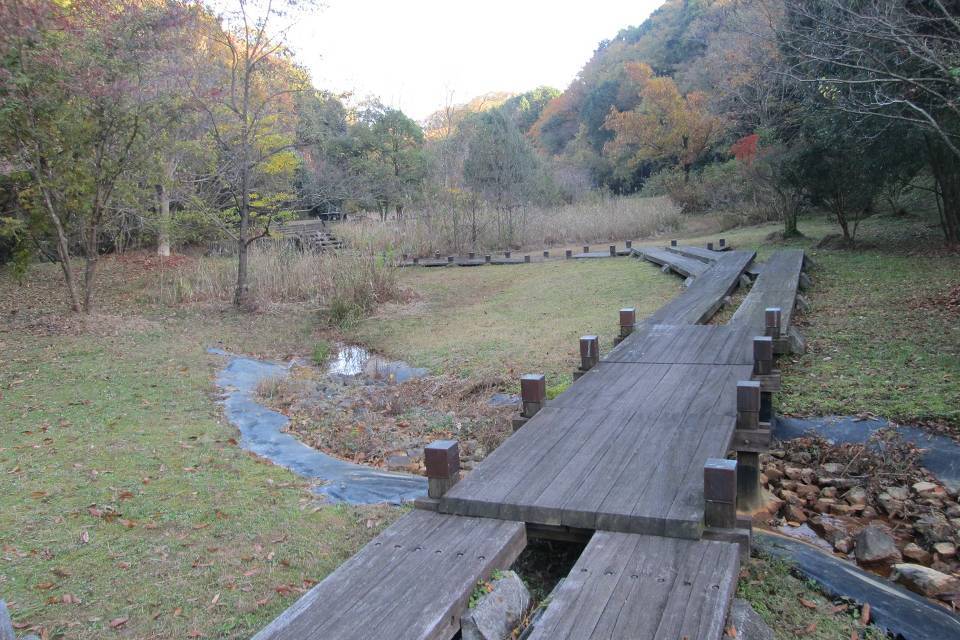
(589, 355)
(750, 438)
(720, 493)
(568, 254)
(442, 459)
(613, 250)
(772, 317)
(628, 319)
(533, 397)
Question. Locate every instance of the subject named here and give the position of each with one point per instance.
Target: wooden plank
(687, 267)
(627, 586)
(370, 596)
(697, 253)
(776, 286)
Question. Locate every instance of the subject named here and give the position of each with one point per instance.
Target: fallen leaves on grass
(116, 623)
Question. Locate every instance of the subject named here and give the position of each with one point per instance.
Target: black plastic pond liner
(261, 432)
(941, 455)
(894, 609)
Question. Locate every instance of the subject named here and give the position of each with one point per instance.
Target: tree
(251, 109)
(882, 63)
(389, 148)
(666, 128)
(73, 109)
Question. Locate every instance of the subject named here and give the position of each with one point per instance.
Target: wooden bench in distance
(627, 586)
(412, 582)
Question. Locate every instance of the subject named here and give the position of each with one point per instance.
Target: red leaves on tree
(745, 149)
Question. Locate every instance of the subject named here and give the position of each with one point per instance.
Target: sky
(414, 54)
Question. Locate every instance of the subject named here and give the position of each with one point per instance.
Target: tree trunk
(946, 170)
(163, 223)
(63, 252)
(90, 270)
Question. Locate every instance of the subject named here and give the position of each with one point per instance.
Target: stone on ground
(874, 544)
(925, 581)
(499, 612)
(747, 622)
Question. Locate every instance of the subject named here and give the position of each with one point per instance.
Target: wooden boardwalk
(412, 582)
(625, 453)
(634, 586)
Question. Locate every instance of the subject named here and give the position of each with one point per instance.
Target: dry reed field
(600, 219)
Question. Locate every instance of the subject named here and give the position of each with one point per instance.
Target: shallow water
(352, 361)
(261, 432)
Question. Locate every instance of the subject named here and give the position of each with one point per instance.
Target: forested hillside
(776, 103)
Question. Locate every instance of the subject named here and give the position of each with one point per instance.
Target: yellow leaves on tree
(666, 126)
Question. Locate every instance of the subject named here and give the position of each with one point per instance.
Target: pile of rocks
(883, 511)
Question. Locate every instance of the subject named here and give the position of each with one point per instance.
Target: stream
(261, 432)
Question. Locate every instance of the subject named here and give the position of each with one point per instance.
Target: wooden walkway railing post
(613, 250)
(568, 254)
(589, 355)
(748, 443)
(442, 460)
(628, 320)
(533, 397)
(720, 478)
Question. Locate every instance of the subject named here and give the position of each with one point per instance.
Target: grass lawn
(508, 320)
(128, 509)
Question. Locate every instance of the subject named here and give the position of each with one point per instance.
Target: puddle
(353, 362)
(940, 456)
(894, 609)
(261, 431)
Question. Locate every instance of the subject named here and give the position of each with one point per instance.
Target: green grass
(124, 488)
(321, 351)
(508, 320)
(796, 608)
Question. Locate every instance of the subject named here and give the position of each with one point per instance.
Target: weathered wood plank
(370, 595)
(637, 586)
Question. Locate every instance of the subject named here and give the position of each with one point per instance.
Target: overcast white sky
(413, 53)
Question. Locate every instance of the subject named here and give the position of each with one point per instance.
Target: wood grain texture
(413, 581)
(629, 586)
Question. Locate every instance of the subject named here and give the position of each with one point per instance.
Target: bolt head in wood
(533, 387)
(748, 396)
(720, 480)
(442, 459)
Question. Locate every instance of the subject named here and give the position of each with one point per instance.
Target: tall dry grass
(600, 219)
(345, 285)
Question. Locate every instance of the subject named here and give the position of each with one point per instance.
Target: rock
(773, 474)
(794, 473)
(916, 553)
(789, 485)
(828, 492)
(843, 545)
(921, 488)
(945, 549)
(808, 476)
(933, 527)
(898, 493)
(807, 491)
(795, 513)
(823, 505)
(833, 468)
(790, 497)
(891, 505)
(869, 512)
(874, 545)
(953, 511)
(747, 622)
(777, 453)
(924, 580)
(774, 504)
(499, 612)
(856, 496)
(841, 509)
